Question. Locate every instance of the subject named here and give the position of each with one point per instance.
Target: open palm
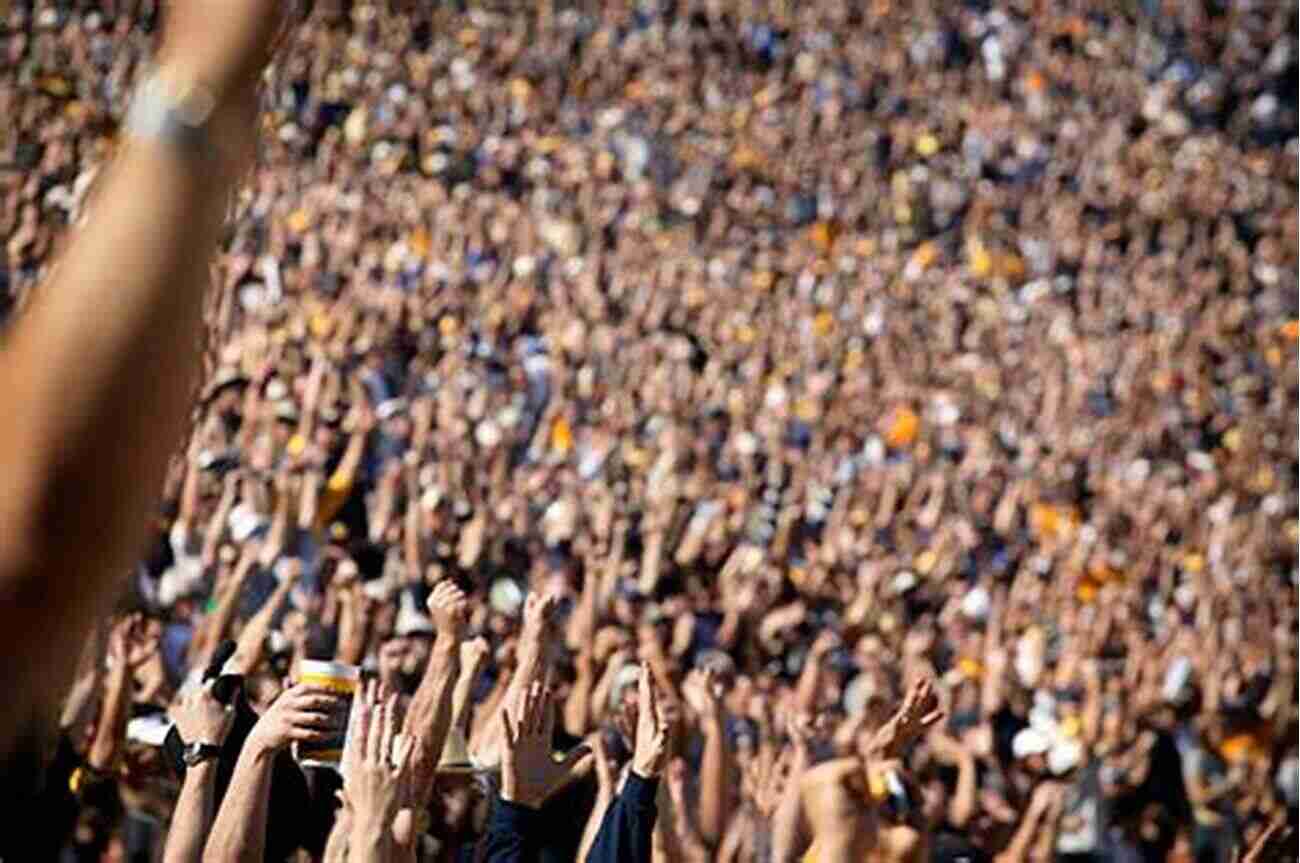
(529, 774)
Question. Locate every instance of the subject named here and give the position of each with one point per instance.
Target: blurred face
(458, 808)
(417, 656)
(392, 658)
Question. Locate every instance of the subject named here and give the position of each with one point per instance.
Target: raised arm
(950, 751)
(1017, 851)
(300, 714)
(214, 627)
(716, 782)
(530, 667)
(919, 711)
(626, 833)
(252, 640)
(200, 719)
(473, 656)
(604, 794)
(429, 716)
(352, 619)
(528, 776)
(375, 773)
(217, 524)
(789, 833)
(78, 472)
(692, 844)
(111, 727)
(411, 551)
(189, 500)
(339, 485)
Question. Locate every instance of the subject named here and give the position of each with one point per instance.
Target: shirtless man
(864, 806)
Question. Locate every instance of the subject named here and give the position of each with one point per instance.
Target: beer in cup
(337, 677)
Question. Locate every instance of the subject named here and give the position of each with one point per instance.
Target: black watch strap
(197, 753)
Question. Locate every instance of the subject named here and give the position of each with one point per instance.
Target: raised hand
(604, 765)
(201, 718)
(376, 765)
(539, 615)
(528, 772)
(302, 714)
(449, 609)
(130, 644)
(650, 751)
(918, 712)
(474, 655)
(702, 692)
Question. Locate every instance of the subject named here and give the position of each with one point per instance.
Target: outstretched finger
(375, 740)
(360, 722)
(534, 709)
(644, 691)
(511, 730)
(390, 728)
(546, 721)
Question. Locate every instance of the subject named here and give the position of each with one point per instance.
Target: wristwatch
(173, 107)
(196, 753)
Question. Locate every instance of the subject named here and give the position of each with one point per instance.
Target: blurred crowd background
(820, 344)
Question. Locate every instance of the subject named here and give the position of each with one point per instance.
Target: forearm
(192, 815)
(460, 699)
(189, 497)
(216, 529)
(809, 680)
(483, 724)
(429, 716)
(252, 641)
(786, 835)
(962, 806)
(1045, 840)
(239, 832)
(78, 474)
(274, 543)
(309, 501)
(688, 839)
(215, 629)
(112, 725)
(78, 705)
(381, 515)
(715, 787)
(577, 707)
(411, 533)
(1018, 849)
(352, 632)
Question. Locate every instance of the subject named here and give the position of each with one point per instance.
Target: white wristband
(172, 109)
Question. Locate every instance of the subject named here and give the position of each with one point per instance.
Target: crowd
(853, 422)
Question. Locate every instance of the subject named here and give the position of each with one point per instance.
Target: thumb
(578, 760)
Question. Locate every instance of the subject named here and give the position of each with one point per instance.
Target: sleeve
(626, 832)
(511, 833)
(332, 497)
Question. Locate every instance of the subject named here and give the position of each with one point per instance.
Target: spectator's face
(393, 655)
(417, 656)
